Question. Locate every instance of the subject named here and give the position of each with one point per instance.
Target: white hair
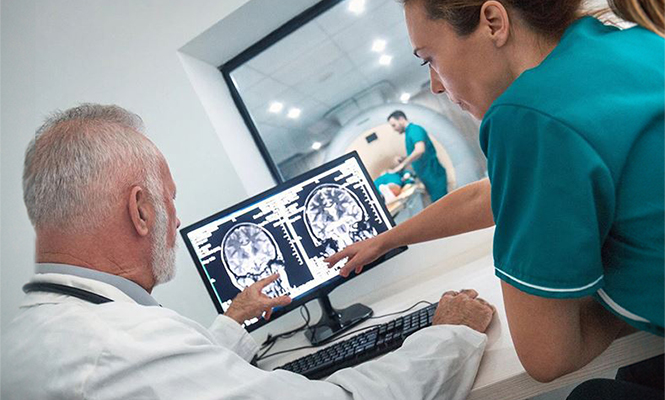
(82, 161)
(163, 255)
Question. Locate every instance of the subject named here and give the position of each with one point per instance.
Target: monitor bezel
(321, 290)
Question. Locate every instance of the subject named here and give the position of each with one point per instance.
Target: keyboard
(362, 347)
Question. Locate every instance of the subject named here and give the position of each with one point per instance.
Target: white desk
(501, 375)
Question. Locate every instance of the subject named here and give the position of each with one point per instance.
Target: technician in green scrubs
(573, 121)
(421, 155)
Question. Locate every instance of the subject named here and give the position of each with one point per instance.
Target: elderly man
(101, 199)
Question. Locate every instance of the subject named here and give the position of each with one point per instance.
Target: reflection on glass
(328, 88)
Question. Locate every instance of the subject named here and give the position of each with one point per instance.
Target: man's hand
(252, 302)
(359, 254)
(464, 308)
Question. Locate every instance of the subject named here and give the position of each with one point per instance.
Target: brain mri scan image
(289, 230)
(250, 253)
(336, 218)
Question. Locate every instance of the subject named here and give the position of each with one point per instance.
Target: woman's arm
(554, 337)
(463, 210)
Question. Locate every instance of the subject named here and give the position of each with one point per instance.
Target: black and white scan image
(242, 248)
(331, 211)
(250, 253)
(290, 232)
(335, 218)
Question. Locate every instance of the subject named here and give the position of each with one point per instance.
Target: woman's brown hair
(547, 17)
(646, 13)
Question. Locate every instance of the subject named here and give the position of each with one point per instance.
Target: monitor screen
(289, 230)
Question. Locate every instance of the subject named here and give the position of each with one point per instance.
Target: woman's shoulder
(594, 82)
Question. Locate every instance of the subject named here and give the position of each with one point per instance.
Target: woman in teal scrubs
(572, 126)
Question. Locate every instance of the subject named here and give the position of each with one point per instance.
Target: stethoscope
(67, 291)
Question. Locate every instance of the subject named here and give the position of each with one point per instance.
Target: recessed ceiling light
(385, 59)
(316, 145)
(379, 45)
(276, 107)
(357, 6)
(404, 97)
(293, 113)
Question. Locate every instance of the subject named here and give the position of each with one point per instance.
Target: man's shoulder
(415, 127)
(148, 322)
(42, 339)
(99, 326)
(85, 345)
(416, 132)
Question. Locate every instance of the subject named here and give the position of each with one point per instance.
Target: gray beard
(163, 256)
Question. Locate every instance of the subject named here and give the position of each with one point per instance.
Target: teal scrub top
(575, 158)
(427, 167)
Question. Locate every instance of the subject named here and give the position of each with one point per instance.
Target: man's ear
(494, 16)
(140, 210)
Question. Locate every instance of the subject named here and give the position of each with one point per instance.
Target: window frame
(254, 50)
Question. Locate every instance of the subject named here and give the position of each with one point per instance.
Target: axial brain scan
(335, 218)
(250, 253)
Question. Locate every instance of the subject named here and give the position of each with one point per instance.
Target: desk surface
(501, 375)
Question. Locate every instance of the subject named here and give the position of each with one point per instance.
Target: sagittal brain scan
(289, 230)
(250, 253)
(336, 218)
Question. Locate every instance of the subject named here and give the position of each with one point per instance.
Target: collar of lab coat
(111, 286)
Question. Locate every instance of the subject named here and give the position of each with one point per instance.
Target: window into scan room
(326, 84)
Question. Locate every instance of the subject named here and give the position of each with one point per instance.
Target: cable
(270, 341)
(258, 357)
(264, 355)
(272, 338)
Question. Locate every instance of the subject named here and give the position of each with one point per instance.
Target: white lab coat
(60, 347)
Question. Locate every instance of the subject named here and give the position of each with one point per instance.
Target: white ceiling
(321, 65)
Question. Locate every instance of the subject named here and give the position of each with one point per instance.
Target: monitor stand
(334, 321)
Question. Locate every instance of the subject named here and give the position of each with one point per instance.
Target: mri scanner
(378, 145)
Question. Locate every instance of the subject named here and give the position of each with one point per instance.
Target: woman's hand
(359, 254)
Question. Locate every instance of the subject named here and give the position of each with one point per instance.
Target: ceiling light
(357, 6)
(316, 145)
(378, 45)
(404, 97)
(276, 107)
(385, 59)
(293, 113)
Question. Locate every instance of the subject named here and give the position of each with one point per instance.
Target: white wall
(240, 147)
(56, 54)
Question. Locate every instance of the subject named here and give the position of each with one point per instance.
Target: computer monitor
(290, 229)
